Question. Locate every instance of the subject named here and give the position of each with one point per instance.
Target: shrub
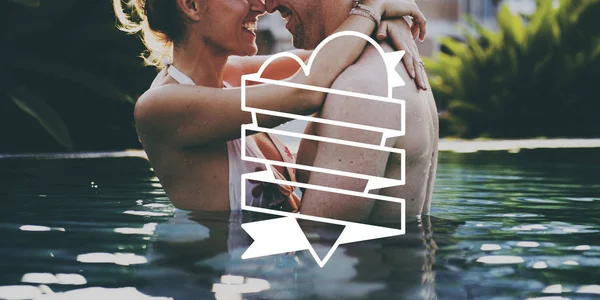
(536, 76)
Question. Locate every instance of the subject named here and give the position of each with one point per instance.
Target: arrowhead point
(380, 183)
(394, 79)
(392, 59)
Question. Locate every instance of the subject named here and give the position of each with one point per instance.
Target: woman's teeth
(250, 26)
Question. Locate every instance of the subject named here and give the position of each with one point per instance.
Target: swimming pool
(504, 226)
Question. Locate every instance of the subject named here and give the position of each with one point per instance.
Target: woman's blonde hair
(159, 23)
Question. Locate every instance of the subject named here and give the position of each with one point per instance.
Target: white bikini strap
(179, 76)
(184, 79)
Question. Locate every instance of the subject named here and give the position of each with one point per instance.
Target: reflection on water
(210, 245)
(504, 225)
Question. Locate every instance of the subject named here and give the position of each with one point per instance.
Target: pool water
(503, 226)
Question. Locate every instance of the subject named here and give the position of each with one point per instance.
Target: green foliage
(536, 76)
(67, 74)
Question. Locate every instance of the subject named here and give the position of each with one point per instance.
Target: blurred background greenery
(69, 78)
(535, 76)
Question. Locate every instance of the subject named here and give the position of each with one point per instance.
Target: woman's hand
(396, 9)
(403, 38)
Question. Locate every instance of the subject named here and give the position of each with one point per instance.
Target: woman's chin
(248, 50)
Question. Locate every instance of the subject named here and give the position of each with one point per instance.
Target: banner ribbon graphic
(283, 235)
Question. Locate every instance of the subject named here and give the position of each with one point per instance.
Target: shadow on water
(505, 225)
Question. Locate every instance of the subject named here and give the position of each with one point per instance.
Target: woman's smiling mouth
(250, 26)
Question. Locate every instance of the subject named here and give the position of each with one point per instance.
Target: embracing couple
(189, 120)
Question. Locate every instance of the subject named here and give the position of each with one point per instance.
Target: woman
(189, 120)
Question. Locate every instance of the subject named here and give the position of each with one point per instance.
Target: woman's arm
(279, 69)
(193, 116)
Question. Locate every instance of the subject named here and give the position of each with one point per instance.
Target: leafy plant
(535, 76)
(66, 68)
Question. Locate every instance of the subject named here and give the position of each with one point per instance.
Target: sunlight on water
(490, 247)
(500, 259)
(233, 287)
(148, 229)
(583, 199)
(583, 248)
(34, 228)
(528, 244)
(549, 298)
(145, 213)
(123, 259)
(570, 263)
(72, 279)
(39, 228)
(589, 289)
(18, 292)
(49, 278)
(25, 292)
(98, 293)
(530, 227)
(553, 289)
(156, 205)
(43, 278)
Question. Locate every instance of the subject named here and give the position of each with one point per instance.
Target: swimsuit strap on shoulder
(179, 76)
(184, 79)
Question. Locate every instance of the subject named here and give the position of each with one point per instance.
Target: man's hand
(402, 37)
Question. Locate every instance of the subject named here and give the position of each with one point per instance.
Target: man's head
(311, 21)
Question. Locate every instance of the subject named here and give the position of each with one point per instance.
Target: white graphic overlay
(284, 235)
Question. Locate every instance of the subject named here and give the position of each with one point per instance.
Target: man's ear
(191, 8)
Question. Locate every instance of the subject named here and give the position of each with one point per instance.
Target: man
(312, 21)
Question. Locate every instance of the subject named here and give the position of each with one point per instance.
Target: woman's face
(230, 25)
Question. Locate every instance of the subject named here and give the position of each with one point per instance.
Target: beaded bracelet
(364, 13)
(371, 11)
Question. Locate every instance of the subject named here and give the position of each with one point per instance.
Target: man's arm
(350, 159)
(434, 156)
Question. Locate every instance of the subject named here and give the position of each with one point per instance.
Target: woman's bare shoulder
(155, 101)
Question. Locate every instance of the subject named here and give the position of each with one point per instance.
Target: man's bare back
(368, 75)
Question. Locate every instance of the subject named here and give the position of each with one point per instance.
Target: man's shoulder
(367, 75)
(370, 63)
